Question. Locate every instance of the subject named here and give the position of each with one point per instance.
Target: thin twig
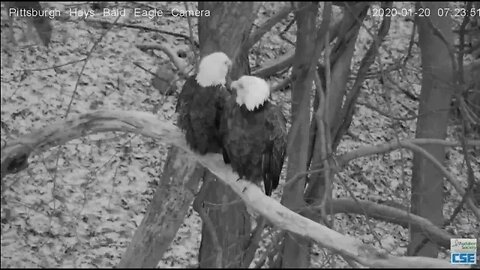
(371, 107)
(55, 66)
(145, 28)
(410, 44)
(85, 64)
(282, 34)
(268, 24)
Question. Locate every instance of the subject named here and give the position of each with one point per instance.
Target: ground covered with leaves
(78, 205)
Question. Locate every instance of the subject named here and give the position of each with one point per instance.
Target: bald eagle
(201, 102)
(254, 133)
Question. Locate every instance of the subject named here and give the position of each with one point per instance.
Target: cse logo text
(463, 258)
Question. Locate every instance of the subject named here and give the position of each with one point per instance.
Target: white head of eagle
(251, 91)
(213, 69)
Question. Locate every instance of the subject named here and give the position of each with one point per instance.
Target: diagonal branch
(283, 218)
(391, 214)
(276, 65)
(346, 113)
(267, 25)
(179, 64)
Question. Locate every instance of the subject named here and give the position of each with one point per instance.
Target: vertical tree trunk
(226, 30)
(179, 182)
(296, 251)
(427, 181)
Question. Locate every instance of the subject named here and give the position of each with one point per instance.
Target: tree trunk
(165, 213)
(296, 252)
(227, 30)
(427, 181)
(340, 70)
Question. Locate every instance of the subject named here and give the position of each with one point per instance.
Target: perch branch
(148, 125)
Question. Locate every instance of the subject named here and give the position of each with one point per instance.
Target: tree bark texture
(296, 252)
(227, 30)
(427, 181)
(341, 57)
(166, 212)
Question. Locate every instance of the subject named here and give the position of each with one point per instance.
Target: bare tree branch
(267, 25)
(452, 179)
(409, 144)
(410, 44)
(389, 214)
(286, 60)
(145, 28)
(282, 84)
(342, 160)
(254, 241)
(148, 125)
(179, 64)
(282, 34)
(347, 111)
(85, 64)
(386, 114)
(276, 65)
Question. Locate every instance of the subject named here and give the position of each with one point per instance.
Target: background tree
(434, 101)
(295, 251)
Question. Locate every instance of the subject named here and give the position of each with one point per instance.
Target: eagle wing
(199, 112)
(184, 98)
(225, 110)
(275, 148)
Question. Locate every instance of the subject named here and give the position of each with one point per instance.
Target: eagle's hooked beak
(228, 79)
(233, 86)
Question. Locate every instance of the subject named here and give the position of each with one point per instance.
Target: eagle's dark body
(255, 142)
(199, 111)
